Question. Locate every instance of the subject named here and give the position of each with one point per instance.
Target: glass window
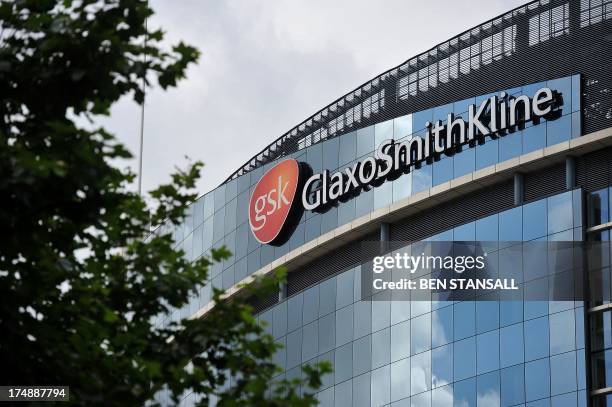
(534, 138)
(230, 216)
(346, 212)
(402, 187)
(365, 141)
(380, 386)
(280, 356)
(558, 130)
(510, 145)
(576, 124)
(343, 365)
(464, 365)
(511, 341)
(536, 338)
(442, 326)
(487, 346)
(253, 261)
(343, 394)
(442, 397)
(564, 87)
(209, 204)
(361, 390)
(486, 154)
(364, 203)
(420, 373)
(312, 228)
(344, 288)
(381, 352)
(442, 366)
(464, 162)
(420, 400)
(563, 373)
(348, 148)
(560, 213)
(314, 157)
(465, 233)
(311, 304)
(240, 271)
(419, 119)
(487, 315)
(598, 207)
(219, 197)
(576, 93)
(464, 318)
(381, 312)
(488, 390)
(383, 195)
(442, 170)
(328, 379)
(331, 154)
(564, 400)
(400, 379)
(560, 324)
(241, 241)
(400, 341)
(219, 224)
(400, 310)
(329, 220)
(510, 225)
(537, 379)
(294, 311)
(601, 330)
(421, 179)
(327, 296)
(294, 348)
(420, 333)
(465, 393)
(534, 220)
(362, 318)
(327, 333)
(326, 398)
(512, 385)
(382, 131)
(362, 359)
(310, 341)
(279, 320)
(244, 182)
(344, 325)
(402, 127)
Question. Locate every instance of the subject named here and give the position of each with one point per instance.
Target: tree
(79, 284)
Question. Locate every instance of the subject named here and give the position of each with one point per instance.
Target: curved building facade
(500, 134)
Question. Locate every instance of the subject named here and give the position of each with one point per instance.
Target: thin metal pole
(142, 115)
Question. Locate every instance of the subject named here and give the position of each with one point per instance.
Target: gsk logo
(273, 208)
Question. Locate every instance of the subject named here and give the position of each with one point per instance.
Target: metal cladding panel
(329, 265)
(445, 216)
(261, 304)
(539, 41)
(547, 181)
(593, 170)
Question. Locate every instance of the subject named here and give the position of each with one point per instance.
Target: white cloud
(268, 64)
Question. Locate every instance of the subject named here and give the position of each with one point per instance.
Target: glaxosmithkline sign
(274, 212)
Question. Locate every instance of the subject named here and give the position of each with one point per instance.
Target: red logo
(272, 208)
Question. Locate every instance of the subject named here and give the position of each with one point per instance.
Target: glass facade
(492, 351)
(220, 217)
(600, 313)
(423, 353)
